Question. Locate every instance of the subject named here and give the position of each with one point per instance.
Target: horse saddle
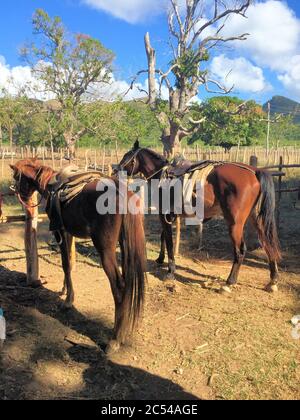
(180, 167)
(64, 187)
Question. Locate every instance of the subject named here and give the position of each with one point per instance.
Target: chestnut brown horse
(81, 219)
(235, 191)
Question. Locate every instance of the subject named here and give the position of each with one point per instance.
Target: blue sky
(259, 73)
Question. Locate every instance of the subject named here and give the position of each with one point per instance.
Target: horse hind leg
(274, 272)
(65, 248)
(117, 284)
(274, 276)
(237, 236)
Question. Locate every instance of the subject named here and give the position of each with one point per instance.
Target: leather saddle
(65, 186)
(180, 167)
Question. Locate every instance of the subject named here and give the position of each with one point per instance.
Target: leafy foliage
(224, 124)
(67, 66)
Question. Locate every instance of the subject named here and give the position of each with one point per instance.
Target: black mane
(156, 155)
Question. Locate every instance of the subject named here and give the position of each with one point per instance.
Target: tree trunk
(11, 136)
(171, 140)
(151, 71)
(70, 143)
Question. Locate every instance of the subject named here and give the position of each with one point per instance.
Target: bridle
(16, 188)
(133, 158)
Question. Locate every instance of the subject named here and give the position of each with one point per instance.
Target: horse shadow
(102, 379)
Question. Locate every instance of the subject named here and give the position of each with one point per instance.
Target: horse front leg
(65, 245)
(168, 235)
(161, 259)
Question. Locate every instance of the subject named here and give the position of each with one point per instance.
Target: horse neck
(43, 176)
(151, 166)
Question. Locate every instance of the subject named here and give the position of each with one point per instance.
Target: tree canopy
(224, 123)
(69, 68)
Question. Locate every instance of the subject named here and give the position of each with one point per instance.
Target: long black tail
(266, 219)
(134, 271)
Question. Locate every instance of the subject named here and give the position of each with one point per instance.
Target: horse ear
(136, 145)
(12, 167)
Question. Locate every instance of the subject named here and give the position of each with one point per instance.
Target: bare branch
(198, 122)
(151, 70)
(134, 80)
(238, 10)
(222, 89)
(217, 39)
(240, 108)
(172, 27)
(178, 18)
(276, 120)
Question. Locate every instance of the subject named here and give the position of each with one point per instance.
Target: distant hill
(286, 106)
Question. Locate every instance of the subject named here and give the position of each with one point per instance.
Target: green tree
(119, 121)
(224, 122)
(195, 30)
(67, 66)
(12, 112)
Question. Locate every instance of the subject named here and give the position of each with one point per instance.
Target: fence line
(100, 158)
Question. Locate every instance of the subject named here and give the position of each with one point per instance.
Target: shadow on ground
(37, 331)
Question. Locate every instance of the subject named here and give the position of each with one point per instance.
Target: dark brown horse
(81, 219)
(235, 191)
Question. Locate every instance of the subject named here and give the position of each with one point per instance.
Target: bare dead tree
(195, 29)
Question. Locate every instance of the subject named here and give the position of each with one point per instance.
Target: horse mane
(156, 155)
(43, 173)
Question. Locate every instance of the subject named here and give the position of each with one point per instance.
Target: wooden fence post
(253, 161)
(73, 253)
(178, 235)
(280, 168)
(252, 237)
(31, 250)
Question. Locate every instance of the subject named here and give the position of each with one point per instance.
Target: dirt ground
(193, 343)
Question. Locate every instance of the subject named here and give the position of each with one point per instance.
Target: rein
(29, 206)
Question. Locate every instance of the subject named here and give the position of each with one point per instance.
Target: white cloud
(20, 79)
(274, 33)
(132, 11)
(291, 78)
(121, 89)
(239, 72)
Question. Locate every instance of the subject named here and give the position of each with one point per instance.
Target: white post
(268, 131)
(31, 250)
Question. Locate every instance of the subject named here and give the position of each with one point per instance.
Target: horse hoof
(35, 284)
(112, 347)
(272, 288)
(159, 261)
(226, 289)
(66, 305)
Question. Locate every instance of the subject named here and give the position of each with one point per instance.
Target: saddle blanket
(193, 179)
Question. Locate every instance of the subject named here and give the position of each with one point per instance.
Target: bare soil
(193, 342)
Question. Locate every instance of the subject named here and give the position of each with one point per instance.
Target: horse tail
(265, 216)
(134, 271)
